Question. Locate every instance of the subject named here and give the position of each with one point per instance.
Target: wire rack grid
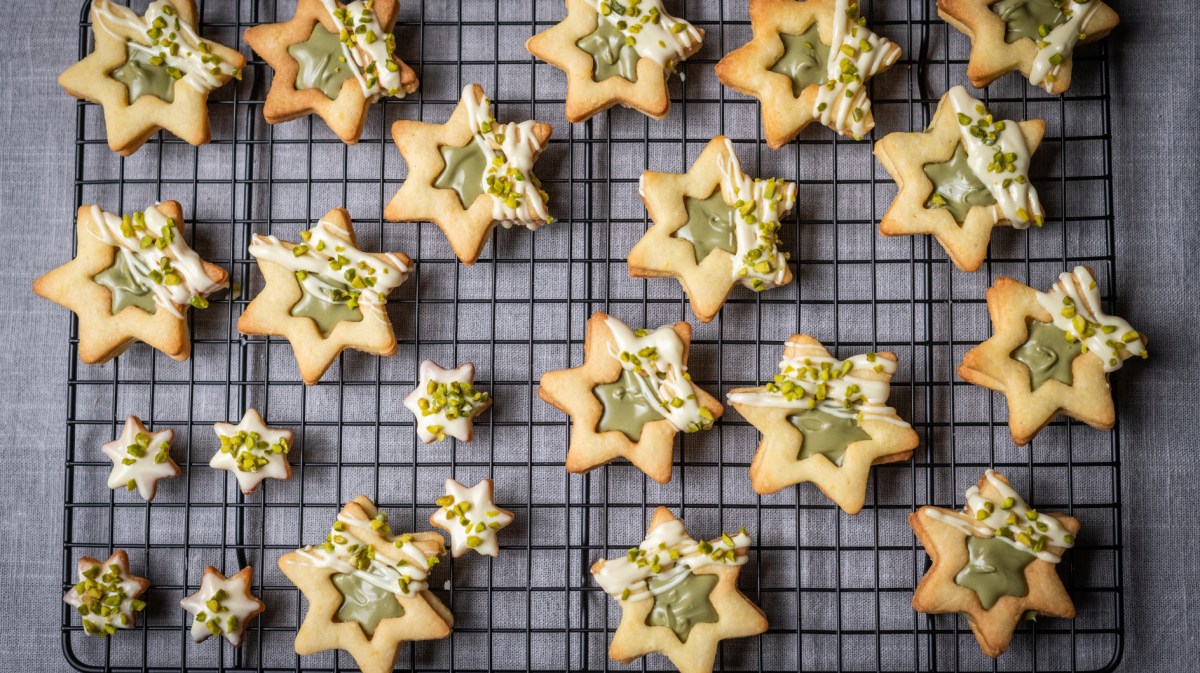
(836, 588)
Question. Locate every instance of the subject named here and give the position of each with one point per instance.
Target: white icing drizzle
(1010, 519)
(252, 451)
(93, 596)
(758, 206)
(855, 55)
(140, 458)
(471, 518)
(999, 157)
(445, 402)
(157, 257)
(668, 554)
(367, 48)
(656, 361)
(1074, 303)
(509, 150)
(650, 30)
(170, 38)
(1057, 47)
(225, 613)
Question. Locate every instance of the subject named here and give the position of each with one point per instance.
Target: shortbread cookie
(367, 589)
(1051, 353)
(470, 174)
(1036, 37)
(714, 227)
(630, 397)
(132, 279)
(616, 51)
(140, 458)
(445, 402)
(332, 60)
(679, 596)
(809, 61)
(994, 562)
(324, 294)
(965, 174)
(106, 596)
(252, 451)
(471, 518)
(223, 606)
(151, 72)
(826, 421)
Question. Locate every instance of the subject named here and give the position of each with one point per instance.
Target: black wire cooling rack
(836, 589)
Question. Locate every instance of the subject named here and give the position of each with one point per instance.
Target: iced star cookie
(1036, 37)
(324, 294)
(470, 174)
(630, 397)
(808, 61)
(714, 227)
(367, 589)
(445, 402)
(965, 174)
(252, 451)
(679, 596)
(1052, 353)
(223, 606)
(106, 596)
(994, 562)
(826, 421)
(332, 60)
(616, 51)
(133, 279)
(471, 518)
(140, 458)
(151, 72)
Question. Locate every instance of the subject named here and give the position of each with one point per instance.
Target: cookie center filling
(710, 225)
(995, 568)
(611, 55)
(142, 77)
(322, 63)
(956, 187)
(684, 604)
(125, 289)
(626, 409)
(804, 59)
(364, 603)
(826, 434)
(1047, 354)
(1033, 19)
(326, 311)
(463, 172)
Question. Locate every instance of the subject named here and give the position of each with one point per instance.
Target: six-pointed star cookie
(151, 72)
(826, 421)
(331, 66)
(1037, 37)
(140, 458)
(471, 518)
(106, 596)
(125, 257)
(1050, 357)
(445, 402)
(367, 589)
(946, 536)
(697, 235)
(687, 619)
(324, 295)
(808, 61)
(252, 451)
(616, 52)
(223, 606)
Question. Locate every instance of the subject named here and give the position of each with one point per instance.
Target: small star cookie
(616, 51)
(1052, 353)
(140, 458)
(223, 606)
(445, 402)
(151, 72)
(252, 451)
(106, 596)
(471, 518)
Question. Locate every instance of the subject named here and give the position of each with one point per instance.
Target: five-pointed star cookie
(961, 211)
(445, 402)
(106, 596)
(684, 619)
(470, 174)
(334, 60)
(367, 589)
(223, 606)
(1036, 37)
(252, 451)
(471, 518)
(649, 397)
(151, 72)
(997, 550)
(616, 52)
(1051, 353)
(324, 294)
(701, 238)
(826, 421)
(808, 61)
(140, 458)
(132, 279)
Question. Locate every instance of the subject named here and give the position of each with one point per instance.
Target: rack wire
(836, 588)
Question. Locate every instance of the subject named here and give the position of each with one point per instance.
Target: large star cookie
(252, 451)
(223, 606)
(471, 517)
(140, 458)
(106, 596)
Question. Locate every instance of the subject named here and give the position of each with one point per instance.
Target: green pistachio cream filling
(804, 59)
(956, 187)
(684, 605)
(826, 434)
(1048, 354)
(125, 289)
(611, 55)
(463, 172)
(145, 74)
(710, 225)
(364, 603)
(322, 63)
(994, 569)
(626, 409)
(1033, 19)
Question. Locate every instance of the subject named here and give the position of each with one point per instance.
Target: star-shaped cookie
(825, 421)
(996, 549)
(324, 294)
(470, 174)
(704, 238)
(808, 61)
(151, 72)
(106, 596)
(223, 606)
(140, 458)
(327, 62)
(125, 257)
(1051, 353)
(252, 451)
(616, 52)
(643, 375)
(471, 518)
(445, 402)
(684, 619)
(961, 212)
(1036, 37)
(367, 589)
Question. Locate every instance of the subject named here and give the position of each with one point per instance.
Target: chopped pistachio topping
(249, 451)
